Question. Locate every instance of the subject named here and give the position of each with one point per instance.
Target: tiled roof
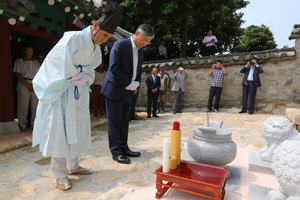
(296, 32)
(227, 59)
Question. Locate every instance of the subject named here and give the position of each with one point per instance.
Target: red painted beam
(36, 33)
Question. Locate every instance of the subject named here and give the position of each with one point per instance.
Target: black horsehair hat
(112, 16)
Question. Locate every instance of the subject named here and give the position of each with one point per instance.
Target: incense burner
(212, 145)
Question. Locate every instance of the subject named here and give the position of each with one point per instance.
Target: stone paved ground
(24, 172)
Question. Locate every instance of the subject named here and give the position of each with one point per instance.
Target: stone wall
(280, 80)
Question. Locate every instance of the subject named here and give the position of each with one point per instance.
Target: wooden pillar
(6, 78)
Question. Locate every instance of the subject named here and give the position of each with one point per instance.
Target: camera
(252, 63)
(216, 65)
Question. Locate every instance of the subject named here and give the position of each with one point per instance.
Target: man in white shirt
(210, 42)
(122, 79)
(25, 70)
(250, 83)
(164, 87)
(179, 88)
(162, 50)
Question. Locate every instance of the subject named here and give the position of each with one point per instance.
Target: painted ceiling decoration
(50, 15)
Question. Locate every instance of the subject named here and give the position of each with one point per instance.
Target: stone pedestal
(256, 164)
(257, 192)
(293, 115)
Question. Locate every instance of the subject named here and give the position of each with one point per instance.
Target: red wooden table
(208, 179)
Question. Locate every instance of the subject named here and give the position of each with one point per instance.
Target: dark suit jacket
(120, 70)
(256, 80)
(151, 85)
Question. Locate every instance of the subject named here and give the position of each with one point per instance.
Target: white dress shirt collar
(133, 44)
(135, 57)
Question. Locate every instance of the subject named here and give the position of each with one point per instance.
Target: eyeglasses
(146, 42)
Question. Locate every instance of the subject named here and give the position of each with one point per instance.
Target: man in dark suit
(250, 83)
(153, 85)
(122, 79)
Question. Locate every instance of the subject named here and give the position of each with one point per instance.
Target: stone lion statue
(286, 165)
(275, 131)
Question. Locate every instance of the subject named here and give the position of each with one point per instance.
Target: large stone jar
(212, 145)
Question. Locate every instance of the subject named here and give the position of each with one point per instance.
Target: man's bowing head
(105, 26)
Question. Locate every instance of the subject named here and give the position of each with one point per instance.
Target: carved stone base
(257, 192)
(258, 165)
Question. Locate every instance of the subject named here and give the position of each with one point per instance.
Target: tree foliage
(255, 38)
(184, 23)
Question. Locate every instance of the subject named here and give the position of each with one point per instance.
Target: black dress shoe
(134, 118)
(155, 116)
(121, 159)
(242, 111)
(130, 153)
(148, 116)
(250, 113)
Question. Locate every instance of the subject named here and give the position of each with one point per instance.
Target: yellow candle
(173, 162)
(176, 141)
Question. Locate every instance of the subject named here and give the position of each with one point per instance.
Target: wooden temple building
(40, 23)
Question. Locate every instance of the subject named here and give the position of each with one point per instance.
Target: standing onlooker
(63, 126)
(25, 70)
(164, 87)
(210, 42)
(162, 50)
(98, 101)
(217, 73)
(250, 83)
(153, 85)
(122, 79)
(179, 88)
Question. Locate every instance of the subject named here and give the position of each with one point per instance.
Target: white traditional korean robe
(62, 125)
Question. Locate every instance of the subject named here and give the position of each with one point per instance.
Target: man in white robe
(62, 125)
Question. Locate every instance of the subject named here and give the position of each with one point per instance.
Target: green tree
(184, 23)
(255, 38)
